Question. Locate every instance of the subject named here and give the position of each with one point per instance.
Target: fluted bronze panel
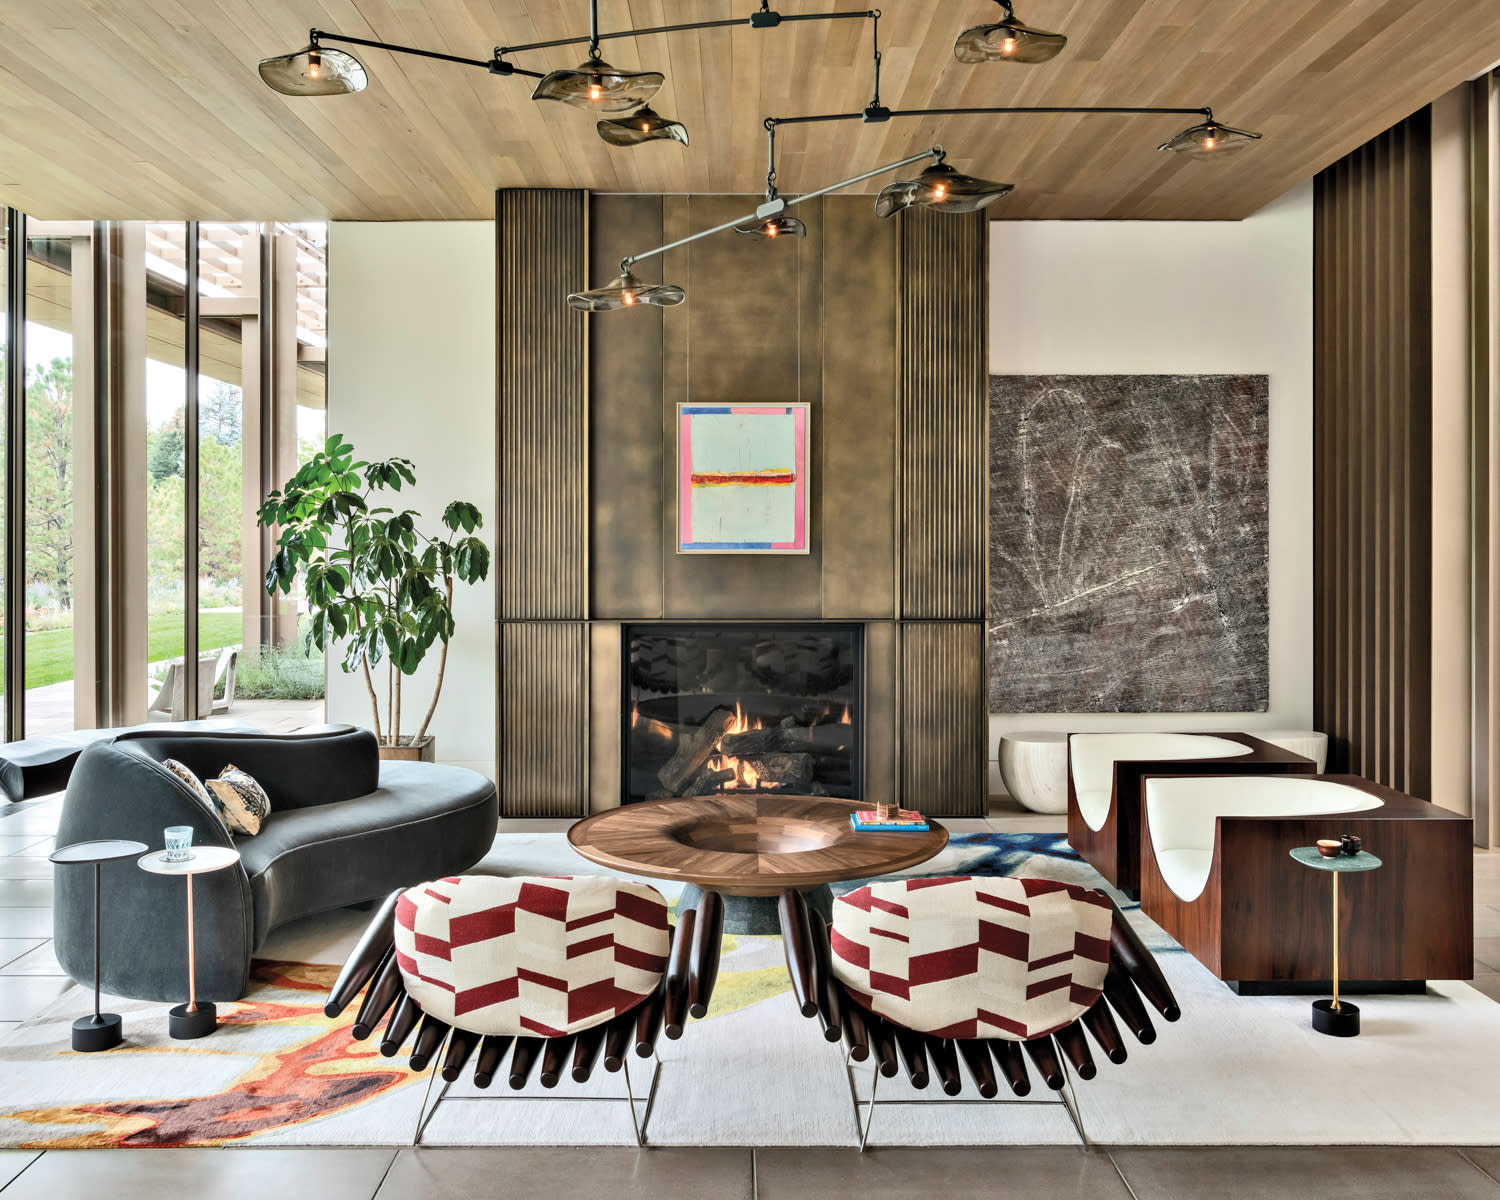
(942, 722)
(941, 414)
(544, 729)
(1373, 458)
(543, 486)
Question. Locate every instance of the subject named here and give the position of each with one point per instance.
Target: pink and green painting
(742, 479)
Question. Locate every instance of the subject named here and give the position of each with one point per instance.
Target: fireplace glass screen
(713, 709)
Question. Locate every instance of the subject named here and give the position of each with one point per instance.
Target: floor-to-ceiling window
(108, 630)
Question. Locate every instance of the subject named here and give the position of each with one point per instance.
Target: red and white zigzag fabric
(538, 956)
(967, 957)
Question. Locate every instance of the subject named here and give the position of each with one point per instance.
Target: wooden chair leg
(1140, 964)
(944, 1056)
(675, 1010)
(977, 1058)
(703, 961)
(829, 994)
(555, 1054)
(404, 1017)
(1044, 1057)
(1075, 1048)
(797, 943)
(366, 958)
(856, 1032)
(461, 1046)
(491, 1054)
(648, 1020)
(883, 1043)
(1126, 1001)
(1012, 1064)
(586, 1052)
(913, 1056)
(522, 1059)
(1100, 1022)
(384, 990)
(618, 1032)
(429, 1041)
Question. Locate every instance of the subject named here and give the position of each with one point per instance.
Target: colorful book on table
(907, 821)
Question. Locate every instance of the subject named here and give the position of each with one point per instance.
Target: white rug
(755, 1073)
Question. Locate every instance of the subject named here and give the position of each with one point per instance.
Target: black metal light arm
(771, 207)
(882, 114)
(493, 65)
(756, 21)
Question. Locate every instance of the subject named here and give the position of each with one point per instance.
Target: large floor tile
(233, 1174)
(25, 893)
(25, 922)
(13, 1162)
(1329, 1173)
(23, 996)
(40, 960)
(1487, 982)
(14, 866)
(1487, 1160)
(13, 948)
(42, 823)
(19, 843)
(1487, 951)
(563, 1174)
(1057, 1173)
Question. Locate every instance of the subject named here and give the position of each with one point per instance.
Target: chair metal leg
(1069, 1099)
(424, 1114)
(862, 1131)
(645, 1119)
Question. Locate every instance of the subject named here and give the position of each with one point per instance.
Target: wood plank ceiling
(153, 109)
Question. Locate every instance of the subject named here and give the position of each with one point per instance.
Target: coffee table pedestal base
(186, 1025)
(1342, 1021)
(758, 914)
(93, 1033)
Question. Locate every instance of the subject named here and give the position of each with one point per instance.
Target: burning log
(694, 750)
(709, 781)
(791, 771)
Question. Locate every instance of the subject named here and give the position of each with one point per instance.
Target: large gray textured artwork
(1128, 556)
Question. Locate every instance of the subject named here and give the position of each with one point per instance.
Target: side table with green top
(1335, 1017)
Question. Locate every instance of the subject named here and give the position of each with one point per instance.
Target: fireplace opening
(716, 709)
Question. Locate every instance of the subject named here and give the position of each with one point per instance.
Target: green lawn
(49, 652)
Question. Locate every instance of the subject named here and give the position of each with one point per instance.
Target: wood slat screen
(1372, 495)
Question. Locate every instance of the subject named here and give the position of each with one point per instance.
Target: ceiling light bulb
(771, 230)
(314, 61)
(1208, 143)
(1008, 46)
(628, 298)
(595, 91)
(940, 191)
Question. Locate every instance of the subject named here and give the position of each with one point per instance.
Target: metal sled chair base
(1065, 1097)
(638, 1123)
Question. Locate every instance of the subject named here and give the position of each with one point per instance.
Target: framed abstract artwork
(742, 483)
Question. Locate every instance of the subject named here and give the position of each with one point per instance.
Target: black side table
(103, 1030)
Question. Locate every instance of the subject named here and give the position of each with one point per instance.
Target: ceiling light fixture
(1008, 40)
(643, 125)
(625, 291)
(315, 71)
(1209, 139)
(779, 224)
(940, 187)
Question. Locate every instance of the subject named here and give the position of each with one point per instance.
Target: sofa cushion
(241, 801)
(1092, 758)
(419, 823)
(538, 956)
(968, 957)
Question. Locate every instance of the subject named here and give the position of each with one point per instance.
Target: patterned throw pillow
(242, 802)
(195, 785)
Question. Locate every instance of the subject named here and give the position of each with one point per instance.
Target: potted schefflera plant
(374, 582)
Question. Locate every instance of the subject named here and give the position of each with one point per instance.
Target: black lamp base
(1342, 1021)
(184, 1025)
(92, 1033)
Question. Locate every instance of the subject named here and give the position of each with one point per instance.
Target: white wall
(1191, 297)
(411, 373)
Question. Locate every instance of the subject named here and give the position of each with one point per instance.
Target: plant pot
(410, 750)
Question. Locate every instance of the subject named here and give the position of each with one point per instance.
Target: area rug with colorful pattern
(753, 1072)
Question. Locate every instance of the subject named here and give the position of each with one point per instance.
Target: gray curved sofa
(344, 828)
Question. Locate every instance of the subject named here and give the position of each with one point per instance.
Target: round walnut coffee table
(750, 848)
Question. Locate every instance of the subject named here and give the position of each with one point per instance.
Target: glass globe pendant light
(643, 125)
(1008, 40)
(942, 188)
(315, 71)
(770, 220)
(1209, 139)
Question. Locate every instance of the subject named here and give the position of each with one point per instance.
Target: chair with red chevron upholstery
(973, 968)
(558, 971)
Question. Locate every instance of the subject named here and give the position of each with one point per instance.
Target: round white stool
(1305, 742)
(1034, 769)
